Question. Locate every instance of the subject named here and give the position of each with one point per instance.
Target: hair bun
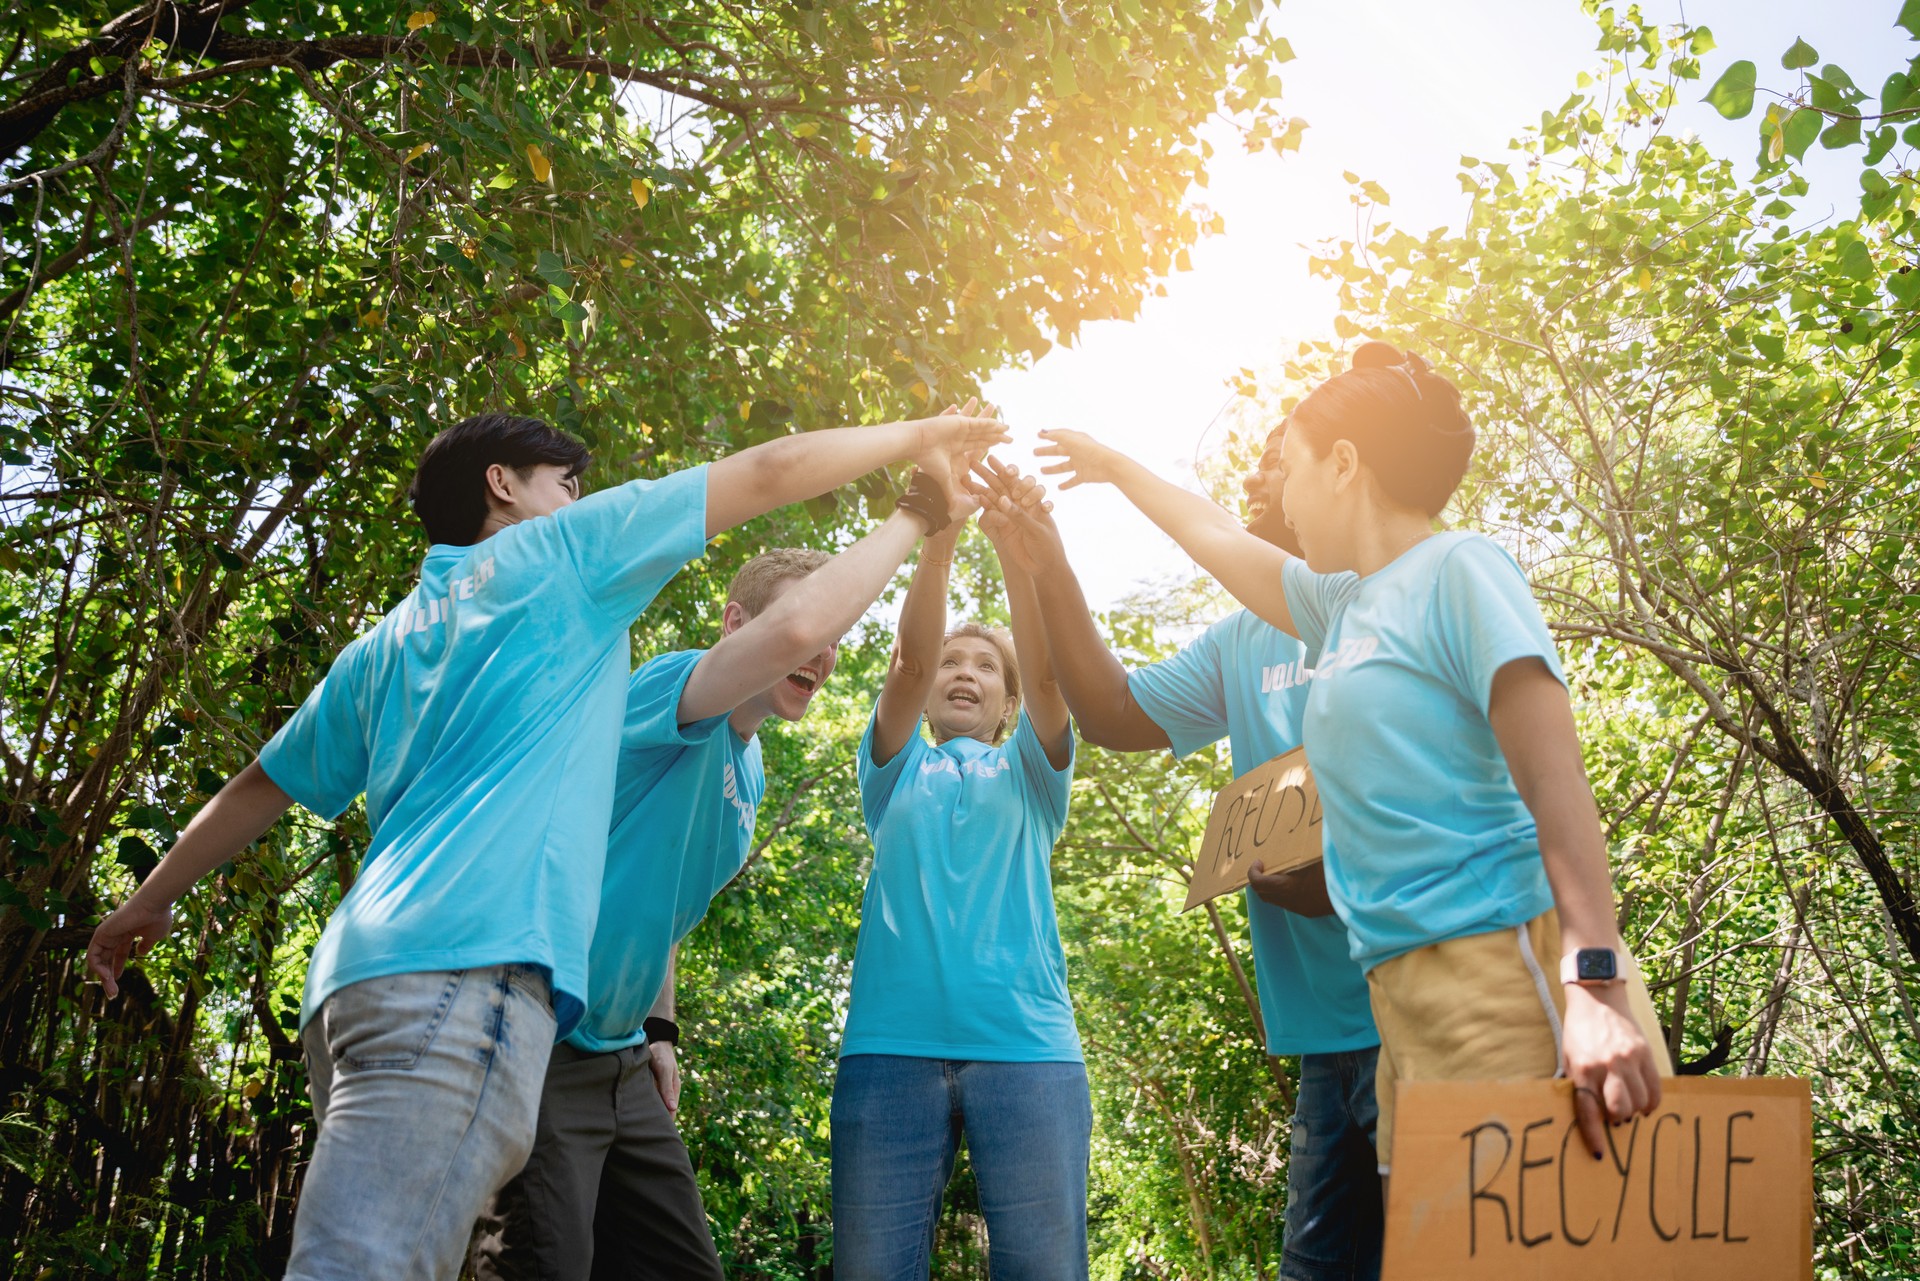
(1377, 355)
(1384, 355)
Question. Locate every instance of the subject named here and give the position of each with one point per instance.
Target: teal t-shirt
(1247, 682)
(1427, 837)
(683, 808)
(481, 718)
(959, 952)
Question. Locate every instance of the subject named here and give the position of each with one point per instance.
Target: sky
(1396, 91)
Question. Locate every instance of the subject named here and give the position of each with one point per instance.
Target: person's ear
(733, 618)
(1346, 464)
(500, 484)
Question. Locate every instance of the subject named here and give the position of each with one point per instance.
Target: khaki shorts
(1487, 1007)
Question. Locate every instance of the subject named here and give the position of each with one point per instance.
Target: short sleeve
(1313, 599)
(1484, 617)
(878, 783)
(1186, 695)
(320, 756)
(1046, 787)
(627, 542)
(653, 705)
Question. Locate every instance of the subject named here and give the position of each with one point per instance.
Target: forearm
(235, 818)
(1092, 681)
(1249, 567)
(841, 590)
(663, 1003)
(812, 615)
(923, 615)
(1045, 708)
(795, 468)
(916, 649)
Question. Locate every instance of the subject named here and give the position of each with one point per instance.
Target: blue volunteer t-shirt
(959, 952)
(481, 717)
(1427, 838)
(1247, 681)
(683, 808)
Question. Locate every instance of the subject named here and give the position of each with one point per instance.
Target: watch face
(1594, 964)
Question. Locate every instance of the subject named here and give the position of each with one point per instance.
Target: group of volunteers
(488, 1016)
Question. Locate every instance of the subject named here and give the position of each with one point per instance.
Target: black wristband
(665, 1031)
(924, 499)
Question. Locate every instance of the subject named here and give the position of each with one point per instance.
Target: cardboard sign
(1492, 1180)
(1269, 815)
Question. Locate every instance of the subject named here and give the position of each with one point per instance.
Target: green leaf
(1800, 54)
(1732, 93)
(1802, 127)
(1841, 133)
(1910, 18)
(1282, 50)
(1856, 260)
(552, 268)
(1701, 41)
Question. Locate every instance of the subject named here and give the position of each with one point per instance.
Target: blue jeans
(1335, 1222)
(897, 1124)
(425, 1088)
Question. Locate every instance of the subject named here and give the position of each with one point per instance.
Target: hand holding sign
(1268, 818)
(1489, 1182)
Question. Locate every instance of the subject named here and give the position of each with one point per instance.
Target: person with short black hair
(609, 1189)
(1464, 848)
(480, 718)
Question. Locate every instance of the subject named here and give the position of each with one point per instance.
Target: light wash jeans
(425, 1088)
(897, 1124)
(1335, 1222)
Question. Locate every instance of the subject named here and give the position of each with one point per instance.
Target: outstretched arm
(809, 616)
(247, 806)
(1044, 707)
(916, 648)
(794, 468)
(1245, 564)
(1092, 681)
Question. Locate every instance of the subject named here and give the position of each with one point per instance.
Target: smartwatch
(1591, 967)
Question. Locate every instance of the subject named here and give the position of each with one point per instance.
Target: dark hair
(449, 490)
(1404, 420)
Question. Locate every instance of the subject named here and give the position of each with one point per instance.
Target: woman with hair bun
(959, 1024)
(1464, 848)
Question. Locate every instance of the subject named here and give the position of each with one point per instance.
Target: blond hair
(1002, 641)
(755, 585)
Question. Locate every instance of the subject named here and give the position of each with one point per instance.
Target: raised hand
(953, 442)
(1017, 517)
(1083, 460)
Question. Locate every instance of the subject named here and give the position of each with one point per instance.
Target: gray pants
(609, 1191)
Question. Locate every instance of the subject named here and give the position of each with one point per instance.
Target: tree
(256, 253)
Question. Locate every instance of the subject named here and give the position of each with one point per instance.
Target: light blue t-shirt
(481, 717)
(683, 807)
(1247, 681)
(959, 952)
(1427, 838)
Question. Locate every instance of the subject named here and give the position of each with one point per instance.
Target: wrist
(661, 1031)
(1592, 968)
